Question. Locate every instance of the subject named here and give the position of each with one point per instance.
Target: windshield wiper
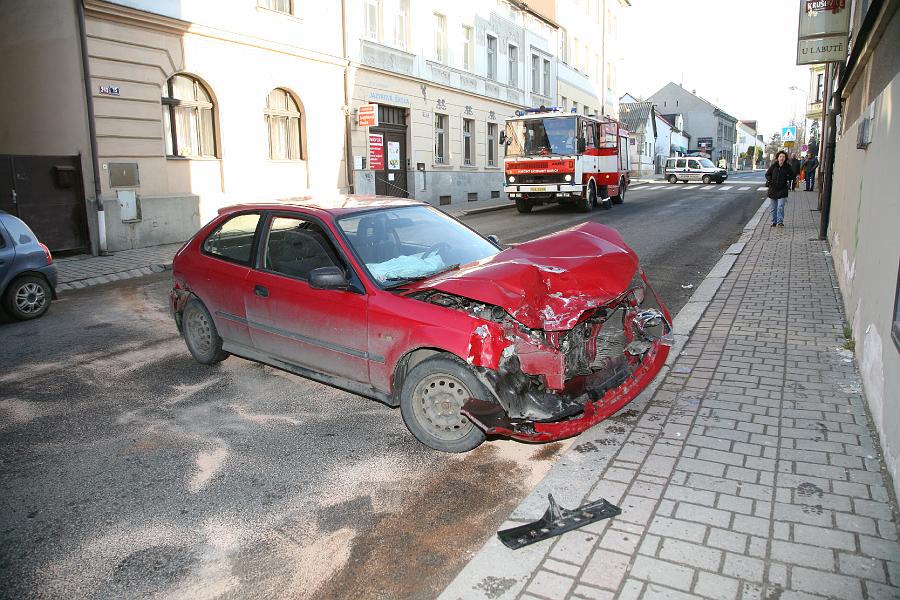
(423, 276)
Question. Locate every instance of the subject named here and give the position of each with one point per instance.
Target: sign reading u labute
(823, 32)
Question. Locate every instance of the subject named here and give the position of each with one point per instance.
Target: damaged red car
(394, 300)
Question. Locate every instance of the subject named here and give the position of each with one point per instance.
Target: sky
(739, 55)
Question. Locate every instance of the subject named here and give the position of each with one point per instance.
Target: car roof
(335, 204)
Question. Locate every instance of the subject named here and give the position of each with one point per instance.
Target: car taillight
(47, 252)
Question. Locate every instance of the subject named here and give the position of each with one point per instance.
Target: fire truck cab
(553, 156)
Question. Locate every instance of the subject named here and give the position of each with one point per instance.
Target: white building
(745, 140)
(639, 118)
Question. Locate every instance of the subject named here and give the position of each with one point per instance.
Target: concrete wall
(865, 246)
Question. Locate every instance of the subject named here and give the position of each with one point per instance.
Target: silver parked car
(27, 272)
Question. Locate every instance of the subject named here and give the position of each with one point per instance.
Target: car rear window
(233, 239)
(18, 231)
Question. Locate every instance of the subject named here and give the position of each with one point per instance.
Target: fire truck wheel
(523, 205)
(605, 200)
(621, 197)
(589, 201)
(673, 179)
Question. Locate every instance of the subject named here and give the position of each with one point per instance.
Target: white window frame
(440, 128)
(491, 144)
(547, 77)
(440, 38)
(468, 53)
(372, 31)
(265, 5)
(512, 50)
(490, 68)
(468, 154)
(535, 73)
(401, 24)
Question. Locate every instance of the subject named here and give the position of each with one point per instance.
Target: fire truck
(554, 156)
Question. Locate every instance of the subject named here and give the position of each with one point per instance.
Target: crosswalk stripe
(708, 187)
(656, 187)
(744, 188)
(761, 189)
(725, 187)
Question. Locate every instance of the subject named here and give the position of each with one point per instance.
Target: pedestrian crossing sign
(789, 134)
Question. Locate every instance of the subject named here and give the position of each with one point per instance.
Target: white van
(694, 168)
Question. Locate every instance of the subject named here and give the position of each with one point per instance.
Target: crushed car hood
(550, 282)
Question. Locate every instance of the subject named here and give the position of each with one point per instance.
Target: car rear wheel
(621, 197)
(673, 179)
(200, 334)
(28, 297)
(706, 179)
(433, 393)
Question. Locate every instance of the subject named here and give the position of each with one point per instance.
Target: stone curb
(570, 480)
(79, 284)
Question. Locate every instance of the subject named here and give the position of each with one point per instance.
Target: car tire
(621, 197)
(589, 201)
(200, 334)
(523, 205)
(706, 179)
(27, 297)
(430, 399)
(673, 179)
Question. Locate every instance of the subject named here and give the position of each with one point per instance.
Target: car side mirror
(494, 239)
(582, 145)
(328, 278)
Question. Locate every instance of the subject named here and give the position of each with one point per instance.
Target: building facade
(639, 118)
(712, 130)
(444, 77)
(746, 143)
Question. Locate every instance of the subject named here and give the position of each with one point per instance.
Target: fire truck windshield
(541, 136)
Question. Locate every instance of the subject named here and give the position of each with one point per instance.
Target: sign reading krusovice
(823, 32)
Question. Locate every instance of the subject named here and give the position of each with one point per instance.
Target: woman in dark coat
(779, 178)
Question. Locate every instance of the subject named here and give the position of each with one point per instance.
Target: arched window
(283, 122)
(188, 118)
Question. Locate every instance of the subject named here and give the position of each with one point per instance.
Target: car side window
(679, 164)
(296, 246)
(693, 164)
(233, 239)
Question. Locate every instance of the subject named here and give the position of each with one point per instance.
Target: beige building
(192, 109)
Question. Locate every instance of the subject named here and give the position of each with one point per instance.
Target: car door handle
(261, 290)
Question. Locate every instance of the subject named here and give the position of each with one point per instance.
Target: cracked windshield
(398, 245)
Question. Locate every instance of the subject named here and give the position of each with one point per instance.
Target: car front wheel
(28, 297)
(523, 205)
(433, 393)
(706, 179)
(200, 334)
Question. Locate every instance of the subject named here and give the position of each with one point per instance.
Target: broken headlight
(637, 288)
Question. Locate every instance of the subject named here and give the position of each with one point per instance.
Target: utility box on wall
(129, 205)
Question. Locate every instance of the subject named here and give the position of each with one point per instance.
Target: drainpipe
(348, 118)
(834, 109)
(92, 128)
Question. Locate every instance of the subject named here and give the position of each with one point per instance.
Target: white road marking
(762, 189)
(656, 187)
(744, 188)
(725, 187)
(708, 187)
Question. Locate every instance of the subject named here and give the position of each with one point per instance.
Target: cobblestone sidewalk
(751, 472)
(76, 272)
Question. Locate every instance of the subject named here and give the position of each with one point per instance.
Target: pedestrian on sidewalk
(795, 165)
(779, 179)
(810, 166)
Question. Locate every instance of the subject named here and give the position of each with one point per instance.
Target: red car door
(321, 330)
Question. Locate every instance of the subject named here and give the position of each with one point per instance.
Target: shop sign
(823, 32)
(367, 115)
(376, 152)
(704, 142)
(385, 98)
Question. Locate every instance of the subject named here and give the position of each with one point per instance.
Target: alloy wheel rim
(30, 298)
(200, 332)
(437, 401)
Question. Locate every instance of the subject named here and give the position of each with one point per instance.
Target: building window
(284, 6)
(535, 74)
(610, 76)
(492, 144)
(468, 150)
(547, 86)
(491, 57)
(440, 38)
(563, 45)
(587, 110)
(564, 103)
(468, 47)
(401, 19)
(188, 118)
(513, 55)
(283, 123)
(574, 107)
(820, 87)
(373, 19)
(440, 139)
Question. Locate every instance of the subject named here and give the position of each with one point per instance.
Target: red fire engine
(553, 156)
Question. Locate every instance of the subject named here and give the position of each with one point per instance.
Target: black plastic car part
(557, 520)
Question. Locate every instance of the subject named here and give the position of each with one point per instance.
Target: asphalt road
(128, 470)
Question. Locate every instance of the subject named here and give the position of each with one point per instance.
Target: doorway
(390, 180)
(47, 193)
